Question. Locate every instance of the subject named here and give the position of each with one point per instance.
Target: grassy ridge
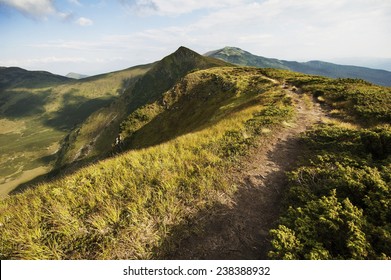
(200, 99)
(125, 207)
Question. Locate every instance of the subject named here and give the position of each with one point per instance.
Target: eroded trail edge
(240, 231)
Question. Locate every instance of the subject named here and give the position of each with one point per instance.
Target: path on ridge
(241, 231)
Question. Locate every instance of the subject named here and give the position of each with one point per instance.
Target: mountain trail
(242, 230)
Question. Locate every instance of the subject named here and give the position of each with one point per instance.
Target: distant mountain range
(240, 57)
(76, 76)
(11, 77)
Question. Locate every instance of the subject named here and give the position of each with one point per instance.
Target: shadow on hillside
(52, 175)
(43, 161)
(30, 184)
(25, 104)
(222, 232)
(74, 110)
(205, 105)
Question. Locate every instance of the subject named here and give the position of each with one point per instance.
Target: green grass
(127, 206)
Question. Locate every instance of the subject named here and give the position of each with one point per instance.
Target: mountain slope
(37, 109)
(241, 57)
(168, 71)
(96, 136)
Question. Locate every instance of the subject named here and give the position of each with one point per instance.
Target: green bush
(338, 205)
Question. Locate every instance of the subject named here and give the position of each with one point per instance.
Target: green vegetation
(240, 57)
(364, 101)
(349, 99)
(339, 198)
(126, 207)
(337, 204)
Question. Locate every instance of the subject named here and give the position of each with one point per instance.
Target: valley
(38, 111)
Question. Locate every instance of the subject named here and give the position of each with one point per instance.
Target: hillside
(241, 57)
(38, 109)
(14, 77)
(126, 206)
(96, 136)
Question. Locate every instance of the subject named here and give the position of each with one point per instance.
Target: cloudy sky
(92, 37)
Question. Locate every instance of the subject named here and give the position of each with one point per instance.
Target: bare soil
(241, 230)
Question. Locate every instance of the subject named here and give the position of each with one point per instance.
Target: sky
(93, 37)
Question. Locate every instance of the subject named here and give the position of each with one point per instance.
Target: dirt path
(241, 231)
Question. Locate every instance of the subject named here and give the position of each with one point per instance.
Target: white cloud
(65, 16)
(300, 28)
(38, 9)
(82, 21)
(40, 63)
(176, 7)
(49, 59)
(41, 9)
(295, 30)
(285, 29)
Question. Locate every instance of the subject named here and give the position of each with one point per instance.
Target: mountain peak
(185, 52)
(233, 50)
(187, 60)
(227, 51)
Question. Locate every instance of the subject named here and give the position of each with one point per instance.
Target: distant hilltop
(243, 58)
(76, 76)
